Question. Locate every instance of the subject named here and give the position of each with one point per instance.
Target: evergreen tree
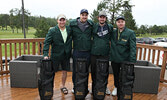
(42, 29)
(94, 15)
(127, 13)
(4, 20)
(130, 22)
(114, 8)
(12, 20)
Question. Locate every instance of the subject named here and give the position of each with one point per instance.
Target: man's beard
(121, 28)
(102, 23)
(62, 26)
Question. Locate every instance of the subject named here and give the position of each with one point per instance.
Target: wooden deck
(8, 93)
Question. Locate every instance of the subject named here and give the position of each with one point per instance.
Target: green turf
(8, 34)
(153, 36)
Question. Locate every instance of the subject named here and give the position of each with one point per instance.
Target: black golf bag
(46, 80)
(126, 82)
(101, 79)
(81, 79)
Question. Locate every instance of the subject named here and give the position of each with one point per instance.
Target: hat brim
(84, 12)
(120, 18)
(62, 17)
(103, 15)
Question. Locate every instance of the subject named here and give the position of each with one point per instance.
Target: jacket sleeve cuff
(45, 54)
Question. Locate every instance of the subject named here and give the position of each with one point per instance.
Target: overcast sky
(148, 12)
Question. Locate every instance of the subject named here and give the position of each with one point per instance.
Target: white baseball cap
(61, 16)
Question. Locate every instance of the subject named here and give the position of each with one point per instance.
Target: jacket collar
(123, 30)
(67, 29)
(75, 22)
(108, 25)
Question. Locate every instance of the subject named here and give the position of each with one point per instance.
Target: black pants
(116, 70)
(93, 66)
(79, 54)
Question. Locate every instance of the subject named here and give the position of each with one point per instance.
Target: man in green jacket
(81, 35)
(100, 55)
(59, 37)
(122, 52)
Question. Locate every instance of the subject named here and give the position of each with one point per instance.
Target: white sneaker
(108, 92)
(72, 90)
(114, 92)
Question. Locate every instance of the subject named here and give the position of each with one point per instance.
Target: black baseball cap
(84, 11)
(120, 17)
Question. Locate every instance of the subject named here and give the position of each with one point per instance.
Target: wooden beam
(163, 68)
(158, 57)
(4, 72)
(1, 57)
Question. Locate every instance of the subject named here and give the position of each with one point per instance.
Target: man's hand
(46, 57)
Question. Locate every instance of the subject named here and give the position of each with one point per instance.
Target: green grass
(17, 46)
(8, 34)
(153, 36)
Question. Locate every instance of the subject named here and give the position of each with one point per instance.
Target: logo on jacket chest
(124, 40)
(102, 33)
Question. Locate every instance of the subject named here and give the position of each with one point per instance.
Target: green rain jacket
(81, 40)
(101, 45)
(124, 48)
(59, 50)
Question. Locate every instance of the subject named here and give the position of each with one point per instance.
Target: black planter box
(24, 71)
(147, 77)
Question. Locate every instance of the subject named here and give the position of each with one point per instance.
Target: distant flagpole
(23, 18)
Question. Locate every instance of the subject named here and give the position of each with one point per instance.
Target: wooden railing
(13, 48)
(151, 53)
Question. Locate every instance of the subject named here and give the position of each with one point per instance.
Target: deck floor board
(8, 93)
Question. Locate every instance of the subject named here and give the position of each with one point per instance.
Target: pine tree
(114, 8)
(42, 29)
(94, 15)
(130, 22)
(127, 13)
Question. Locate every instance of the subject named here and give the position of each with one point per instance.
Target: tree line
(114, 8)
(14, 20)
(152, 30)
